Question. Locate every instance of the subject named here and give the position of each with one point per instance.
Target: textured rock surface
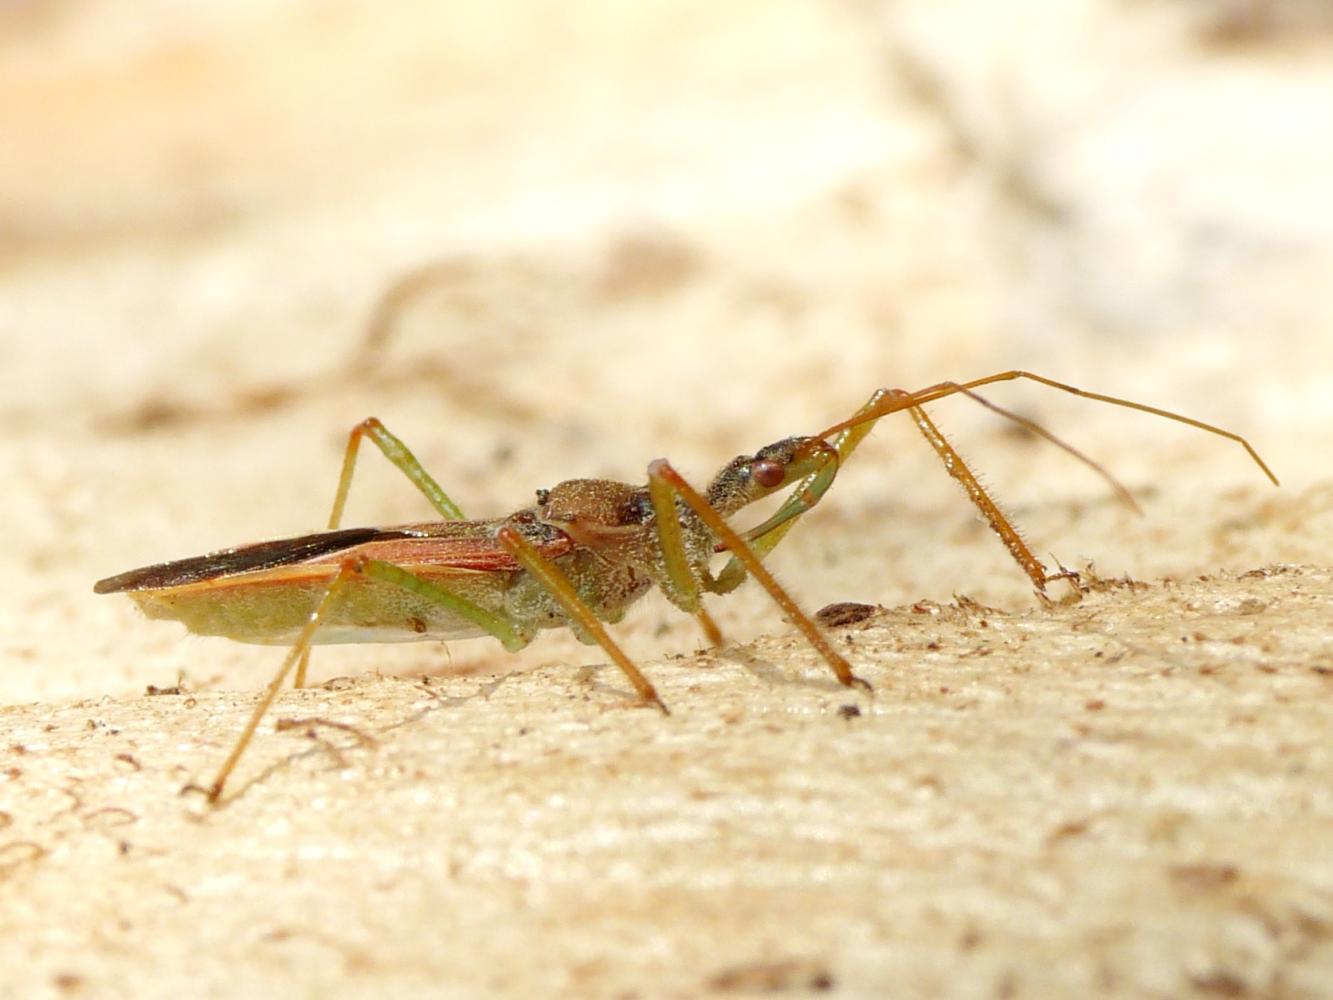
(542, 243)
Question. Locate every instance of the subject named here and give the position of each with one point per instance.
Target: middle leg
(559, 586)
(662, 471)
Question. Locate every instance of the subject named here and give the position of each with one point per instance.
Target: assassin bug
(577, 558)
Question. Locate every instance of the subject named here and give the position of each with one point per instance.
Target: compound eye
(768, 474)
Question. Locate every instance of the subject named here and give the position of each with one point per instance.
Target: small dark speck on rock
(843, 613)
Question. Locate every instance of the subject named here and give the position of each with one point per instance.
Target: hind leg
(402, 458)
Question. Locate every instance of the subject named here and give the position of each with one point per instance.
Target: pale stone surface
(547, 242)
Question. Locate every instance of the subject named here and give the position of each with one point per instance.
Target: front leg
(764, 538)
(682, 582)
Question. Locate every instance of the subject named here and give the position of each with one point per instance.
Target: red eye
(768, 474)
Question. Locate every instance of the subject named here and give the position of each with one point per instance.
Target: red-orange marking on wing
(440, 550)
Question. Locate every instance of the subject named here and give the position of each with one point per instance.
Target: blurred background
(552, 240)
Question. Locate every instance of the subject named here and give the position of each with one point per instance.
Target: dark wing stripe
(245, 559)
